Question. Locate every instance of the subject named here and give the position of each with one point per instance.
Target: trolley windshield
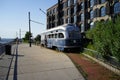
(74, 34)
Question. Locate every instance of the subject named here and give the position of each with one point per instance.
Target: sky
(14, 16)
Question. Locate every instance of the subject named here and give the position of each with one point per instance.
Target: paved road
(38, 63)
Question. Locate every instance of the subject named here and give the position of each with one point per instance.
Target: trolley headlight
(74, 41)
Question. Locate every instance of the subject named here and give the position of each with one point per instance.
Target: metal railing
(2, 49)
(110, 60)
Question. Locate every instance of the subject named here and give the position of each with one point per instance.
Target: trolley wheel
(45, 46)
(57, 49)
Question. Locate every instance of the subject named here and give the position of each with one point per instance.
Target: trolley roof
(62, 27)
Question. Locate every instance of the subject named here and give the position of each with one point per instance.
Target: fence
(107, 60)
(2, 49)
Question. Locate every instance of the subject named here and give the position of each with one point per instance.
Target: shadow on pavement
(15, 56)
(15, 66)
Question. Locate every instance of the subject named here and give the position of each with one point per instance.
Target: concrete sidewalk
(38, 63)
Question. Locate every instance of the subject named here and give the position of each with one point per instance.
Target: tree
(27, 36)
(38, 39)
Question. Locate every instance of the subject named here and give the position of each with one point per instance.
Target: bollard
(8, 49)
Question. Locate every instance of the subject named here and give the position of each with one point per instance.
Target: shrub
(106, 37)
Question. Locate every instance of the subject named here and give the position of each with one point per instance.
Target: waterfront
(5, 40)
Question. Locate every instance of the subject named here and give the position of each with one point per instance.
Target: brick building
(83, 13)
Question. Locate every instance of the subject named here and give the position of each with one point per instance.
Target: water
(5, 40)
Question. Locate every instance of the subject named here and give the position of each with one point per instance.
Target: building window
(82, 6)
(82, 17)
(72, 11)
(82, 28)
(103, 1)
(78, 18)
(91, 25)
(75, 9)
(64, 5)
(96, 2)
(92, 2)
(117, 8)
(53, 10)
(75, 19)
(97, 12)
(68, 12)
(68, 2)
(72, 20)
(68, 20)
(116, 1)
(75, 1)
(72, 1)
(47, 13)
(103, 11)
(91, 14)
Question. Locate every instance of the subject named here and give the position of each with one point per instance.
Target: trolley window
(52, 35)
(48, 36)
(60, 35)
(55, 35)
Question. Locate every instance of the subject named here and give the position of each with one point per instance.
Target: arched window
(103, 1)
(91, 25)
(117, 8)
(91, 14)
(103, 11)
(92, 2)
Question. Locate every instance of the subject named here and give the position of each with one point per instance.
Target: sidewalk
(37, 63)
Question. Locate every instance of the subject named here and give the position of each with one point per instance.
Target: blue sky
(14, 16)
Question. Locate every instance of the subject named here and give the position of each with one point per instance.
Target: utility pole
(16, 34)
(29, 30)
(20, 36)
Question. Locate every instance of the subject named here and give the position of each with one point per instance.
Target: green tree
(38, 39)
(27, 35)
